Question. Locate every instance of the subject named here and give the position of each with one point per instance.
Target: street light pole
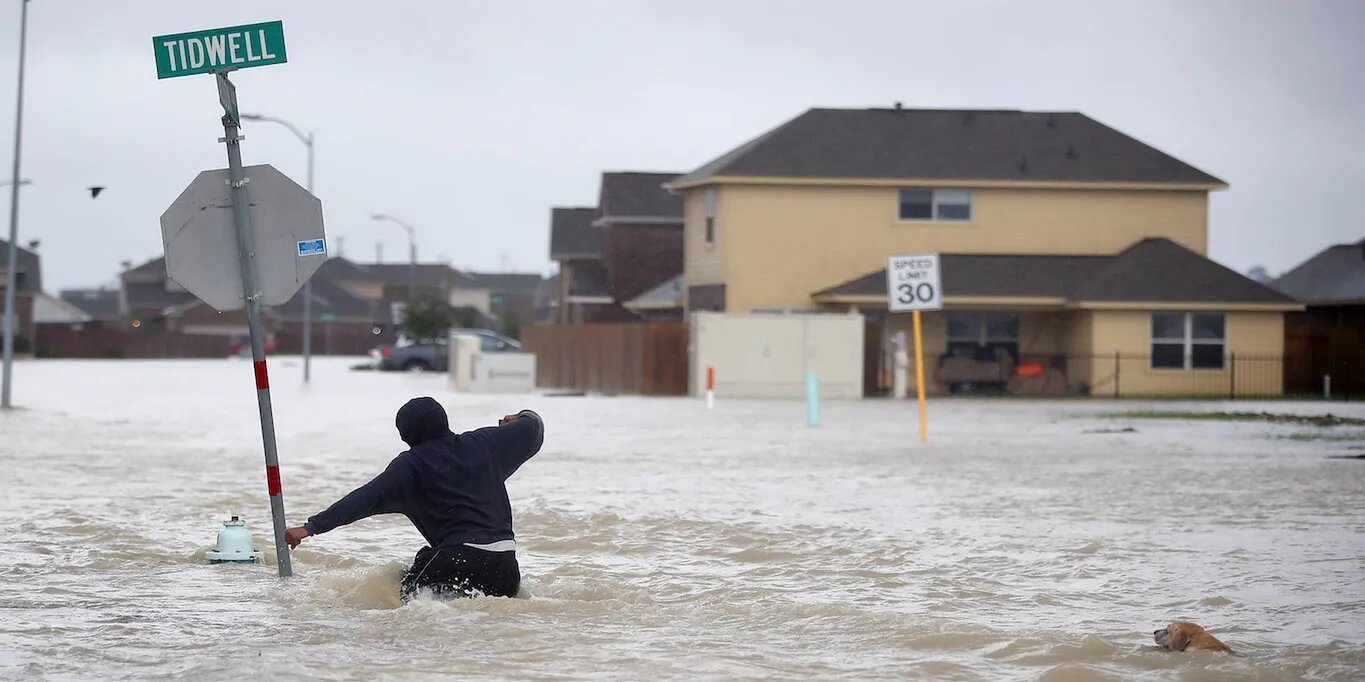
(307, 285)
(412, 252)
(12, 264)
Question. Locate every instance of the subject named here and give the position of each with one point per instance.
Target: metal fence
(1116, 375)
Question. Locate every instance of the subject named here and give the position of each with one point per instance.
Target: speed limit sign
(913, 283)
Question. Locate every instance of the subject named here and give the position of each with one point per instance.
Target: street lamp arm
(306, 139)
(383, 216)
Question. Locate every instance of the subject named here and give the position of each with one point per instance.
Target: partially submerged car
(435, 357)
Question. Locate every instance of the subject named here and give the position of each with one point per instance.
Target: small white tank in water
(234, 545)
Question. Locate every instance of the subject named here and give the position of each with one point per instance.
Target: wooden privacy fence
(646, 358)
(64, 341)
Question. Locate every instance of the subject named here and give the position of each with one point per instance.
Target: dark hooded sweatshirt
(451, 486)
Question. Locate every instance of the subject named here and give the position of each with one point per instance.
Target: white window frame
(1187, 343)
(934, 204)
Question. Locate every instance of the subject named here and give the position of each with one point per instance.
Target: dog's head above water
(1182, 635)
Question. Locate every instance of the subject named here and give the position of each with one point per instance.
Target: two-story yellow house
(1074, 257)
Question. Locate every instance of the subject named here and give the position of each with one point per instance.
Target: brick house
(28, 285)
(629, 246)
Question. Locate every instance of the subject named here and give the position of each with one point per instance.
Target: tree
(511, 326)
(1260, 274)
(427, 321)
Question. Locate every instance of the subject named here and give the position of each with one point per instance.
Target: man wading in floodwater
(452, 489)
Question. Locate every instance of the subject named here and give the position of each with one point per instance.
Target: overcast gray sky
(471, 119)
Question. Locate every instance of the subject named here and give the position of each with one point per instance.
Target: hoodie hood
(421, 420)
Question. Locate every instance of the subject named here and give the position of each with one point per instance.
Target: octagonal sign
(201, 240)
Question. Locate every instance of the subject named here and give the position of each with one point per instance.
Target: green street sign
(328, 317)
(219, 49)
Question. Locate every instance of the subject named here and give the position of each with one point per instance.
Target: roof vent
(1023, 165)
(1070, 152)
(899, 107)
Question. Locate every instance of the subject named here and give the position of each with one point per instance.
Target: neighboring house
(49, 309)
(584, 285)
(642, 235)
(628, 246)
(1327, 339)
(512, 296)
(664, 302)
(150, 301)
(1065, 243)
(28, 274)
(146, 294)
(102, 305)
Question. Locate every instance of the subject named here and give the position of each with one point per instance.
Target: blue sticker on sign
(313, 247)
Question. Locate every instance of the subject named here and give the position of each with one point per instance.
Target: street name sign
(201, 239)
(913, 283)
(235, 246)
(219, 49)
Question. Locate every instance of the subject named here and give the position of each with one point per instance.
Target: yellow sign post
(913, 284)
(919, 379)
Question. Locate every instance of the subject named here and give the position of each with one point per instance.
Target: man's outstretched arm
(517, 438)
(379, 496)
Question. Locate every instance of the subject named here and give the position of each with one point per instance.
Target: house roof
(331, 298)
(433, 275)
(508, 282)
(48, 309)
(1335, 275)
(27, 262)
(1150, 271)
(572, 234)
(150, 271)
(143, 296)
(590, 280)
(639, 195)
(667, 295)
(947, 144)
(100, 304)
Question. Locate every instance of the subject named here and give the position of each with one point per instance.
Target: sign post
(914, 284)
(275, 235)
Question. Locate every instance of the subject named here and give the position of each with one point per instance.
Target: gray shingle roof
(432, 275)
(100, 304)
(1152, 270)
(934, 144)
(572, 234)
(508, 282)
(638, 194)
(668, 294)
(1336, 275)
(144, 296)
(331, 298)
(152, 270)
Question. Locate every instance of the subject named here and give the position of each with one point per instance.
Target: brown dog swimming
(1183, 636)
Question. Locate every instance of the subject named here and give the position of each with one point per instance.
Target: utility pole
(12, 264)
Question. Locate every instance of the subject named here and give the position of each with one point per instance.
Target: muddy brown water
(659, 540)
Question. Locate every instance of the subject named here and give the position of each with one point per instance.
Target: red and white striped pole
(710, 387)
(241, 217)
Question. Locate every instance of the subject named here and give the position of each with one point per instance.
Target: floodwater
(662, 541)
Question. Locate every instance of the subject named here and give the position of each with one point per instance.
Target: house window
(710, 215)
(978, 335)
(1188, 340)
(953, 205)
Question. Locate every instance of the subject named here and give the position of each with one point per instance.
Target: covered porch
(1108, 326)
